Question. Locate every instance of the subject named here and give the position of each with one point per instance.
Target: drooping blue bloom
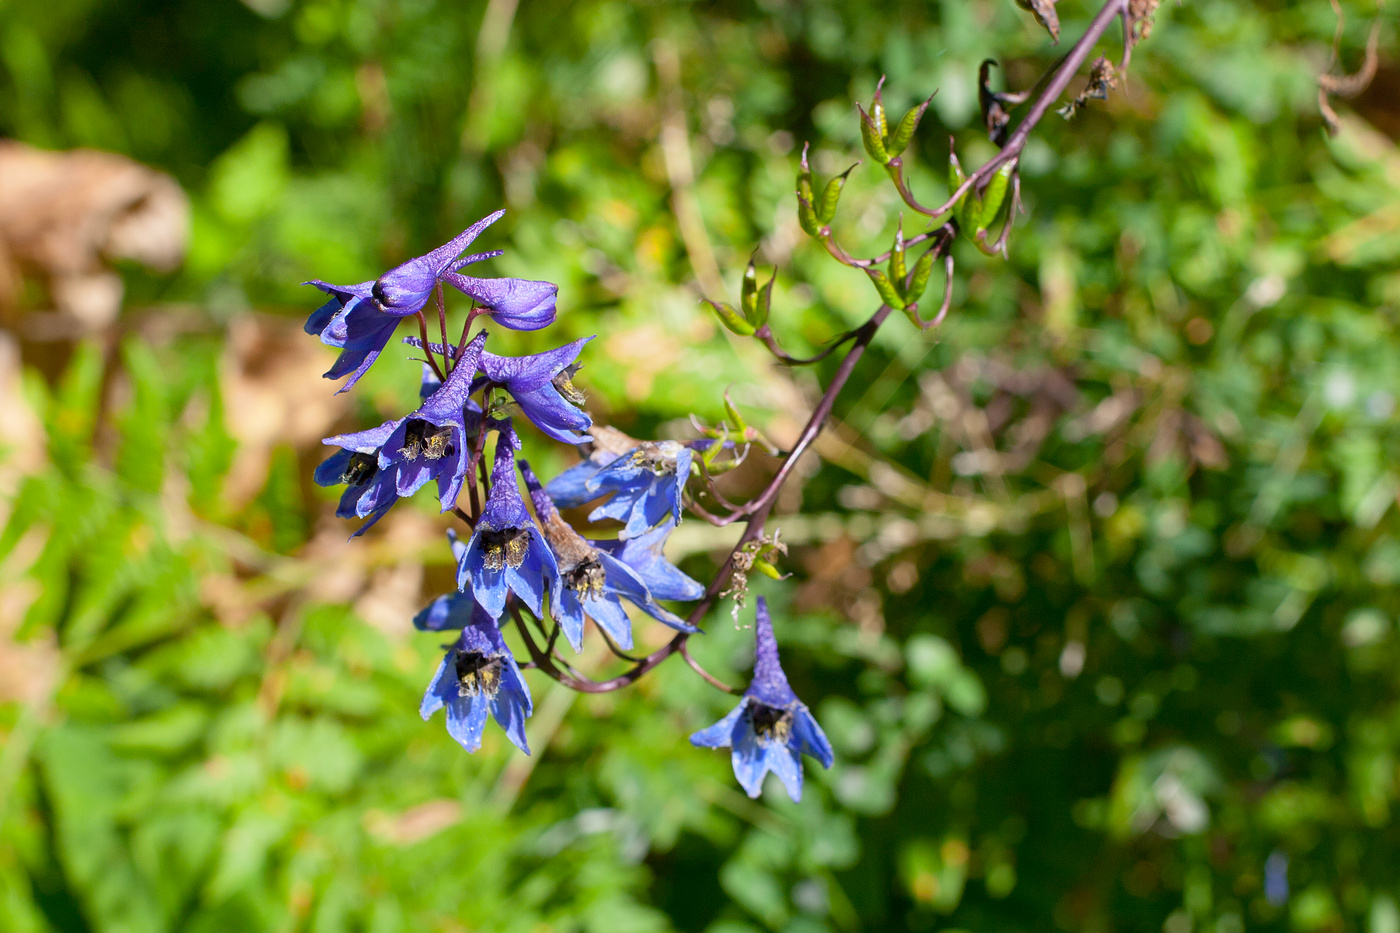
(360, 319)
(397, 458)
(771, 728)
(506, 552)
(351, 322)
(477, 676)
(591, 582)
(646, 483)
(542, 386)
(644, 555)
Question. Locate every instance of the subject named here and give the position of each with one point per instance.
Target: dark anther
(564, 382)
(360, 469)
(587, 578)
(478, 674)
(423, 437)
(505, 548)
(771, 721)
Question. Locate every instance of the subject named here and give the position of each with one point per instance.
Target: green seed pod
(767, 569)
(877, 111)
(872, 137)
(748, 292)
(886, 289)
(765, 301)
(804, 176)
(955, 180)
(731, 318)
(807, 217)
(898, 270)
(995, 195)
(903, 133)
(826, 207)
(923, 269)
(736, 420)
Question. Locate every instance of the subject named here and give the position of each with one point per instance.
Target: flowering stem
(447, 364)
(757, 516)
(427, 346)
(1060, 78)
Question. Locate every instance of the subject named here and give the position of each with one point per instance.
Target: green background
(1094, 590)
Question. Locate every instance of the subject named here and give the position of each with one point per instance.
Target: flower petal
(720, 735)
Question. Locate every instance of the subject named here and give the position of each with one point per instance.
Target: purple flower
(771, 728)
(400, 456)
(520, 304)
(351, 322)
(646, 483)
(591, 581)
(542, 386)
(360, 319)
(506, 552)
(477, 676)
(644, 555)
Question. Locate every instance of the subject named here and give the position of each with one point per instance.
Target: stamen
(478, 674)
(651, 456)
(771, 722)
(360, 469)
(505, 548)
(587, 579)
(422, 437)
(564, 382)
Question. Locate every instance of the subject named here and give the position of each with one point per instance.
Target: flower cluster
(522, 562)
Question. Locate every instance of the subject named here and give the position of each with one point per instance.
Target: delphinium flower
(644, 555)
(477, 676)
(506, 553)
(360, 319)
(397, 458)
(771, 728)
(591, 581)
(645, 481)
(541, 385)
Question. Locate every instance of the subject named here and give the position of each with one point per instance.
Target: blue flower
(350, 322)
(771, 728)
(506, 552)
(591, 581)
(360, 319)
(646, 482)
(644, 555)
(520, 304)
(477, 676)
(398, 457)
(542, 386)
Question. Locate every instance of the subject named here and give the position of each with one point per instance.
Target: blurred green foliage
(1094, 591)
